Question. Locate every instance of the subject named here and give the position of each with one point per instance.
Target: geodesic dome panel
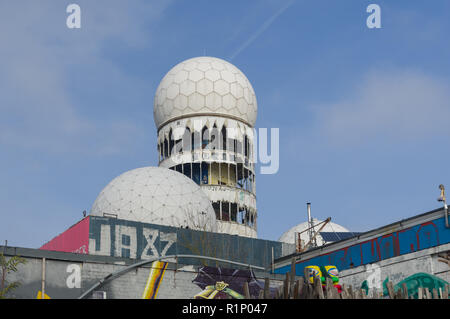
(205, 85)
(156, 195)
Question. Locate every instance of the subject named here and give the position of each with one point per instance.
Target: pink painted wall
(73, 240)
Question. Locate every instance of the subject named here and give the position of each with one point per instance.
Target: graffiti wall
(420, 237)
(428, 268)
(121, 238)
(58, 275)
(67, 276)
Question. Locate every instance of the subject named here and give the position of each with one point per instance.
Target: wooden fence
(300, 288)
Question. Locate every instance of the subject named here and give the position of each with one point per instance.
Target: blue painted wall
(398, 243)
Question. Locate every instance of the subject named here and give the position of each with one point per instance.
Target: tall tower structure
(205, 111)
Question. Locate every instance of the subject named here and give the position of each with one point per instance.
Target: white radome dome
(289, 236)
(156, 195)
(208, 86)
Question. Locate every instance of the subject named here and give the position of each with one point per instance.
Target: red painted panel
(73, 240)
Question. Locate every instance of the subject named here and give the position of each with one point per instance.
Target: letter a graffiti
(74, 19)
(374, 20)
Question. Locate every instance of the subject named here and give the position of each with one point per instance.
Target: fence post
(266, 288)
(405, 291)
(445, 295)
(318, 288)
(246, 291)
(419, 293)
(286, 287)
(295, 294)
(301, 288)
(390, 288)
(435, 293)
(292, 279)
(427, 293)
(350, 293)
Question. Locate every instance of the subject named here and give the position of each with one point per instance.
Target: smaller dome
(289, 236)
(159, 196)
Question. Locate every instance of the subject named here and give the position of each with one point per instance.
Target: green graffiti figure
(412, 282)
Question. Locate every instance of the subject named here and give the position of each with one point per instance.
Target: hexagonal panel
(180, 102)
(177, 68)
(242, 106)
(213, 101)
(228, 101)
(204, 86)
(240, 79)
(177, 111)
(173, 91)
(190, 65)
(227, 76)
(217, 65)
(168, 107)
(221, 87)
(180, 76)
(161, 96)
(247, 95)
(203, 66)
(167, 81)
(196, 75)
(196, 101)
(237, 90)
(187, 87)
(212, 75)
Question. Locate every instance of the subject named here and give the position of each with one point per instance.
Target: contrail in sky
(261, 30)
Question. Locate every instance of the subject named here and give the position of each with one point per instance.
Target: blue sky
(363, 113)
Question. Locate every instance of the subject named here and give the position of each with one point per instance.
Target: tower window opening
(195, 141)
(238, 147)
(251, 223)
(245, 146)
(187, 141)
(214, 139)
(251, 180)
(225, 211)
(223, 174)
(166, 148)
(171, 143)
(205, 173)
(178, 147)
(223, 134)
(241, 215)
(246, 187)
(187, 170)
(240, 175)
(205, 137)
(159, 152)
(196, 172)
(216, 206)
(233, 212)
